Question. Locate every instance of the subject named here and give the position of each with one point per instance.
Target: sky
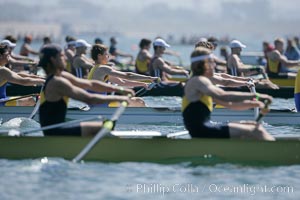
(256, 17)
(280, 6)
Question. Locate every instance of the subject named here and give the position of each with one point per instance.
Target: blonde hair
(197, 67)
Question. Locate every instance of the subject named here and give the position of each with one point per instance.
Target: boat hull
(283, 92)
(158, 150)
(160, 115)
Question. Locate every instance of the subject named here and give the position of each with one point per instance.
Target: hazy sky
(285, 6)
(256, 17)
(280, 8)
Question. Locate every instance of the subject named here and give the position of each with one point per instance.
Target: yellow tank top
(92, 71)
(68, 67)
(273, 65)
(297, 83)
(206, 100)
(142, 66)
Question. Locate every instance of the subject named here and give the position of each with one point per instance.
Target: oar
(36, 107)
(15, 132)
(106, 128)
(142, 91)
(150, 87)
(252, 89)
(17, 98)
(261, 114)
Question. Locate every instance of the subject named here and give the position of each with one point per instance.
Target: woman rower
(197, 103)
(103, 72)
(6, 75)
(60, 85)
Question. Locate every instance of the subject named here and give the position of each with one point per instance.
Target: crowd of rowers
(71, 74)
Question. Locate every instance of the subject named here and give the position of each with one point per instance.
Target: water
(60, 179)
(55, 178)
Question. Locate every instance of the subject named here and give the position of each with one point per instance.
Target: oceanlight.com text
(247, 189)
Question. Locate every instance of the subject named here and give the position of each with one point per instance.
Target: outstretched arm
(95, 85)
(13, 77)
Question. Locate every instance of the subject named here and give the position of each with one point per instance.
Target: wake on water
(22, 124)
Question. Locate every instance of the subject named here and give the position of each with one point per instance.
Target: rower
(277, 64)
(81, 63)
(60, 85)
(160, 68)
(143, 58)
(103, 72)
(6, 75)
(236, 67)
(227, 80)
(197, 103)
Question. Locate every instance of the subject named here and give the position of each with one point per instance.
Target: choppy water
(55, 178)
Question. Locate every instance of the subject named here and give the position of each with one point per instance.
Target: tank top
(52, 112)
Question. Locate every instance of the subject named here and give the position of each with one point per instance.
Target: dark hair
(212, 39)
(144, 42)
(198, 66)
(98, 41)
(207, 45)
(69, 38)
(47, 40)
(3, 49)
(48, 51)
(113, 39)
(98, 49)
(11, 38)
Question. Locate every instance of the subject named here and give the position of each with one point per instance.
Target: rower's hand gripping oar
(142, 91)
(106, 128)
(251, 86)
(262, 112)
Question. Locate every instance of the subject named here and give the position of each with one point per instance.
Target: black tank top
(52, 112)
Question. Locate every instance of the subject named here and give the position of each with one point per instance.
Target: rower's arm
(30, 50)
(288, 63)
(127, 83)
(66, 88)
(207, 88)
(79, 62)
(239, 78)
(244, 105)
(130, 75)
(13, 77)
(229, 82)
(168, 69)
(94, 85)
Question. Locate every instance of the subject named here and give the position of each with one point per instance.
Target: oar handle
(251, 86)
(261, 114)
(17, 98)
(150, 87)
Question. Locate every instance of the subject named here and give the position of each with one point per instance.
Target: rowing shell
(282, 92)
(160, 115)
(158, 150)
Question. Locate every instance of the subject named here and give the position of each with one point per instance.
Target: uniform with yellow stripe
(274, 68)
(142, 66)
(106, 78)
(54, 112)
(196, 117)
(297, 91)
